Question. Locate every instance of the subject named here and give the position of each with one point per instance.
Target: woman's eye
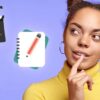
(96, 37)
(74, 32)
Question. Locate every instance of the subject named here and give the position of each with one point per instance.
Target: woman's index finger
(76, 65)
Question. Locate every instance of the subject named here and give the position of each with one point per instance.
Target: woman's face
(83, 38)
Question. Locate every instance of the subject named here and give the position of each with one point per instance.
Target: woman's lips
(76, 55)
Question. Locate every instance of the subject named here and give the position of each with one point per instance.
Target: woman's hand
(76, 81)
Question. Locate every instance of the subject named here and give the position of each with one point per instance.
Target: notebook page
(31, 55)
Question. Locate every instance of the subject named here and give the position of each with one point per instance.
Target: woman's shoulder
(45, 83)
(35, 90)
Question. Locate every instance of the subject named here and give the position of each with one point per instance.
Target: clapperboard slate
(2, 31)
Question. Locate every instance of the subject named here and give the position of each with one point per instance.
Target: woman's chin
(83, 65)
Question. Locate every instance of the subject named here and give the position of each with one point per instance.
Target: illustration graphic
(2, 31)
(31, 49)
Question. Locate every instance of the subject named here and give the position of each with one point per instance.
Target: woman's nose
(84, 41)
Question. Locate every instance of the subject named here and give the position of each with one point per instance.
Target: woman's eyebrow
(96, 30)
(79, 26)
(76, 24)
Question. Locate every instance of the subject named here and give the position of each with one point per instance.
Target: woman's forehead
(88, 18)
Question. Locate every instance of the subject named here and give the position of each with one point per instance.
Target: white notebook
(31, 49)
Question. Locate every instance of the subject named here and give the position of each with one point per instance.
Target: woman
(80, 77)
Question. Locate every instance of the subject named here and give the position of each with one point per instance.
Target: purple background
(37, 15)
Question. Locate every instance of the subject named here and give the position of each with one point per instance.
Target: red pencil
(34, 44)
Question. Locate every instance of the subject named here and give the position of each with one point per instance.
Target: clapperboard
(2, 31)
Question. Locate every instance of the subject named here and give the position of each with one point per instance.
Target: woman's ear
(72, 2)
